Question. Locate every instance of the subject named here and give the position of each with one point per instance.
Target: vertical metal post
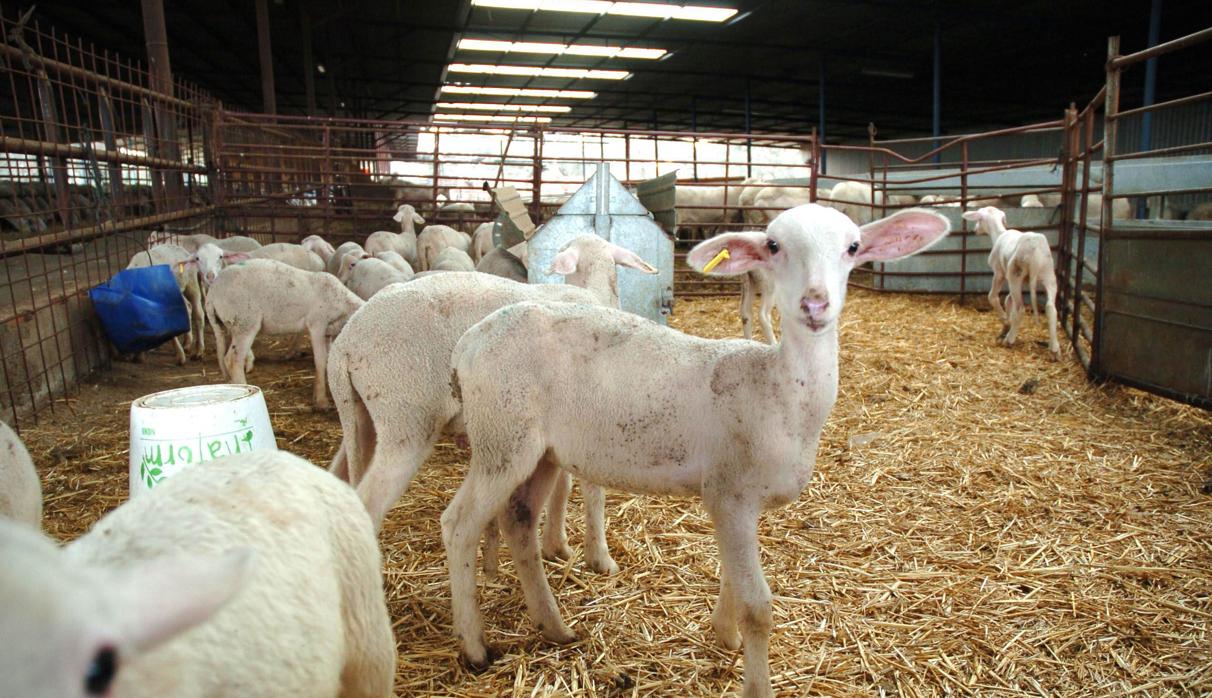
(536, 181)
(1065, 242)
(1106, 224)
(1081, 202)
(309, 63)
(269, 103)
(161, 81)
(694, 126)
(820, 128)
(1146, 121)
(748, 129)
(964, 234)
(437, 133)
(813, 173)
(936, 118)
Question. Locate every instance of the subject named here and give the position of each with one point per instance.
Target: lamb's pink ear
(745, 251)
(233, 257)
(900, 235)
(565, 262)
(627, 258)
(399, 217)
(972, 216)
(416, 218)
(160, 598)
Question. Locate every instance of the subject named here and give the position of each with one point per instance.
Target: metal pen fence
(90, 153)
(96, 151)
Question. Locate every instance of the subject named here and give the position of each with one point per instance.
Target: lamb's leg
(474, 506)
(221, 348)
(180, 351)
(597, 553)
(319, 352)
(200, 332)
(490, 549)
(1050, 313)
(555, 538)
(995, 292)
(393, 464)
(241, 342)
(747, 284)
(519, 523)
(764, 308)
(745, 600)
(1014, 312)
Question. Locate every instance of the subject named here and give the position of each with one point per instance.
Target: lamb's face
(809, 251)
(985, 218)
(812, 250)
(210, 262)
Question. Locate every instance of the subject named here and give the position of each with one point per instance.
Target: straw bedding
(983, 521)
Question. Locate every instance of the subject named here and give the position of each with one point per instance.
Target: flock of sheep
(264, 556)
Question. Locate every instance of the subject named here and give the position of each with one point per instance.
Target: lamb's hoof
(606, 566)
(490, 656)
(1056, 355)
(730, 640)
(561, 635)
(557, 552)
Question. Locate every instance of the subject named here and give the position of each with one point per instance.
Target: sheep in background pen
(453, 259)
(857, 200)
(318, 245)
(390, 379)
(262, 295)
(633, 405)
(368, 276)
(191, 243)
(20, 489)
(253, 575)
(501, 262)
(337, 260)
(435, 238)
(404, 242)
(481, 241)
(1016, 257)
(186, 273)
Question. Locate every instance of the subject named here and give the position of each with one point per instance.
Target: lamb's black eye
(101, 672)
(773, 246)
(853, 249)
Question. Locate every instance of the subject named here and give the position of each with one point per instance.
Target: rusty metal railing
(91, 158)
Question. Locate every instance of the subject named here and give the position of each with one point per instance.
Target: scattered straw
(976, 538)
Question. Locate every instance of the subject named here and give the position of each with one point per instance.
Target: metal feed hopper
(602, 206)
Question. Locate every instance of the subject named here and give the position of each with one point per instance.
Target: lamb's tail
(357, 428)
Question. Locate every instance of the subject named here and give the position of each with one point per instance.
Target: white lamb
(501, 262)
(185, 271)
(320, 246)
(20, 489)
(633, 405)
(857, 200)
(774, 200)
(390, 378)
(435, 238)
(1016, 257)
(345, 249)
(369, 276)
(481, 241)
(211, 259)
(396, 261)
(404, 242)
(254, 575)
(1030, 201)
(236, 243)
(262, 295)
(452, 259)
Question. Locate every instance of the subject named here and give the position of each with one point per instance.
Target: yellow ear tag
(715, 261)
(180, 267)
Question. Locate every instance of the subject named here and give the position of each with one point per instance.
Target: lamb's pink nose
(814, 306)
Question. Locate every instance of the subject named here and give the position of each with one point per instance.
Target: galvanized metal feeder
(602, 206)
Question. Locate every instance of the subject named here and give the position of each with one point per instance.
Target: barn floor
(983, 522)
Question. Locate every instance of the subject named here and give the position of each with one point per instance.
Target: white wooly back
(20, 489)
(320, 246)
(253, 575)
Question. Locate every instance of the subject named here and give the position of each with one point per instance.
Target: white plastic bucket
(174, 429)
